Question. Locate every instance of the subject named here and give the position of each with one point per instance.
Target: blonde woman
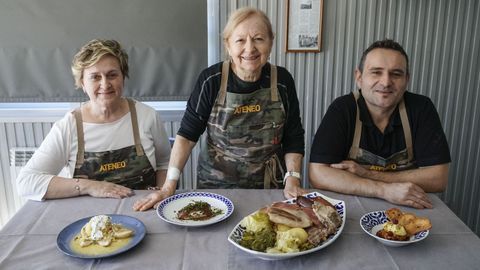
(108, 146)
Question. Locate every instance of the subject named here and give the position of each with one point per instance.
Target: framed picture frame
(304, 26)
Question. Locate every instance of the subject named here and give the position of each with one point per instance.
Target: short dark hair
(383, 44)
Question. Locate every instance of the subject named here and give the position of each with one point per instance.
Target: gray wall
(442, 39)
(38, 39)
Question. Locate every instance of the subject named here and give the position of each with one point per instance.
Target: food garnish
(401, 226)
(198, 210)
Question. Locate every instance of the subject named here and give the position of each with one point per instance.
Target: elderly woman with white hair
(250, 111)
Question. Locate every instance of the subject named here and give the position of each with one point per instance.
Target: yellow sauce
(95, 249)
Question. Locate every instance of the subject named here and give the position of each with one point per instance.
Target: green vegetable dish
(265, 236)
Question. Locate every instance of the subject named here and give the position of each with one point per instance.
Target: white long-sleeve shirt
(58, 151)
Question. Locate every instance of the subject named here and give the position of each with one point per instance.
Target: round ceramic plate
(168, 208)
(237, 233)
(66, 236)
(372, 222)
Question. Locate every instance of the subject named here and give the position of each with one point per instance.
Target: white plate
(237, 233)
(168, 208)
(372, 222)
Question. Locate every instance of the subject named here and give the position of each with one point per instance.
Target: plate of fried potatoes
(395, 228)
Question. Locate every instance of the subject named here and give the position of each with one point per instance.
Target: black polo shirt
(334, 136)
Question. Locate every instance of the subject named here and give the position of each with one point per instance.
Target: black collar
(366, 118)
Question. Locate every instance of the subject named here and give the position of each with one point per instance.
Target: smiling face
(103, 82)
(383, 80)
(249, 47)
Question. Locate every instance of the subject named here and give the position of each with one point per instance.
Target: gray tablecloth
(28, 241)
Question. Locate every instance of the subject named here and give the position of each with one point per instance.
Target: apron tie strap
(270, 174)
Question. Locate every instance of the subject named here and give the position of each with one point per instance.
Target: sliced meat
(304, 201)
(322, 201)
(327, 214)
(318, 234)
(288, 214)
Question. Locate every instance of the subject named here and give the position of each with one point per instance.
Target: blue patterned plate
(168, 208)
(66, 236)
(237, 233)
(372, 222)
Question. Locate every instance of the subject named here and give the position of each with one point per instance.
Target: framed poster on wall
(304, 25)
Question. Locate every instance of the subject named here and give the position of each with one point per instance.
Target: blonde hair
(240, 15)
(92, 52)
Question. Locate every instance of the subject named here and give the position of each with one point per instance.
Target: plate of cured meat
(290, 228)
(194, 209)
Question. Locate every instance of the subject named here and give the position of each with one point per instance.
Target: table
(28, 240)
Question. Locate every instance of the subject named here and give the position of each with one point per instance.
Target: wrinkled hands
(105, 189)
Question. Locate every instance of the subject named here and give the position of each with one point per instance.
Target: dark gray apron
(128, 166)
(242, 148)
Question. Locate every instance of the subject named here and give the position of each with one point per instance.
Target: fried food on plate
(402, 225)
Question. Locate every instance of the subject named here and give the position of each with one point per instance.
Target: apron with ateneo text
(401, 160)
(128, 166)
(242, 148)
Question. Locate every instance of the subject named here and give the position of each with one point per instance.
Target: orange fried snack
(418, 225)
(409, 221)
(393, 213)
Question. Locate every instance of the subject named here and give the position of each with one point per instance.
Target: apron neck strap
(273, 82)
(406, 129)
(80, 139)
(77, 113)
(358, 130)
(136, 133)
(223, 84)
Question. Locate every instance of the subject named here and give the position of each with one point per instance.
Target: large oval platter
(237, 233)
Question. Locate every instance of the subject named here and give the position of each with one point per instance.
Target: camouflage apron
(401, 160)
(242, 148)
(128, 166)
